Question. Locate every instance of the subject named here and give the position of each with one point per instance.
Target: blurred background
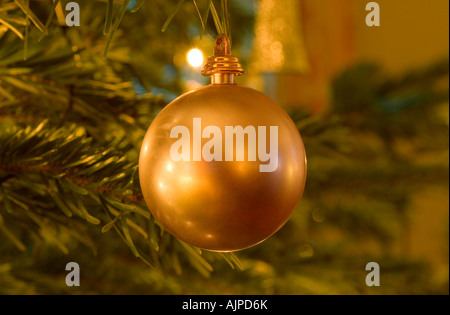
(371, 104)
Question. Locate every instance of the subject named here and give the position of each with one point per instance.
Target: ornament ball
(223, 167)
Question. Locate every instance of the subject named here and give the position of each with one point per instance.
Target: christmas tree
(76, 102)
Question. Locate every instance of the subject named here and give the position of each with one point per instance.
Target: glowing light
(195, 58)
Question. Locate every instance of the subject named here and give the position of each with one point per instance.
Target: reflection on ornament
(222, 202)
(278, 45)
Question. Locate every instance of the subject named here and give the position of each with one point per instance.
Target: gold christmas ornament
(222, 167)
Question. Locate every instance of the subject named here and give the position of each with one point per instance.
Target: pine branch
(79, 174)
(44, 169)
(66, 85)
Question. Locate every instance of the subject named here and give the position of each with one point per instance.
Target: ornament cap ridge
(222, 62)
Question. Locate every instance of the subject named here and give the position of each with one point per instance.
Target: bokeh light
(195, 58)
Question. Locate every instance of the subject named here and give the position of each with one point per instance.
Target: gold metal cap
(222, 62)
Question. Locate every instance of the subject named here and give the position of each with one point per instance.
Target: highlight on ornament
(195, 58)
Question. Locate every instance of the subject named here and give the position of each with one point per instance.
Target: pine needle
(25, 48)
(217, 22)
(119, 18)
(12, 28)
(137, 6)
(109, 17)
(205, 18)
(170, 18)
(49, 19)
(31, 15)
